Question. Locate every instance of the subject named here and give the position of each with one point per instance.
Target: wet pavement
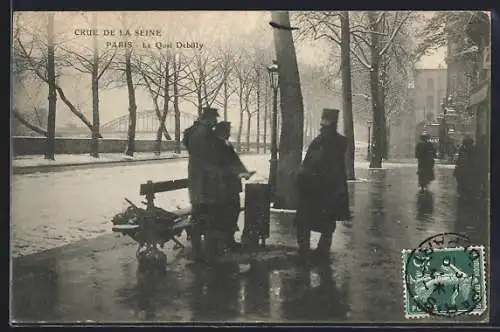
(98, 280)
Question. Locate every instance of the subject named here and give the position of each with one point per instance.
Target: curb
(59, 167)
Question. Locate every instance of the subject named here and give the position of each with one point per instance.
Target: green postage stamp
(444, 281)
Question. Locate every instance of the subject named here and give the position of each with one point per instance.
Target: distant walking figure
(322, 181)
(425, 154)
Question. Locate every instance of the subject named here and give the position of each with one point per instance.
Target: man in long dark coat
(205, 184)
(235, 170)
(425, 154)
(323, 194)
(465, 169)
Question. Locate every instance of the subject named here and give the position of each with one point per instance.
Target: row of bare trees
(374, 40)
(226, 78)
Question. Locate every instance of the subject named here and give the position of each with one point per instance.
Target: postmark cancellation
(444, 282)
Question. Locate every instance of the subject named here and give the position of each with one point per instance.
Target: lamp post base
(273, 167)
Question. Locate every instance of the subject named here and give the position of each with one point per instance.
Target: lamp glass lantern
(272, 70)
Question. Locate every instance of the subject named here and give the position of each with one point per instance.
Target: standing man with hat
(322, 182)
(236, 171)
(204, 182)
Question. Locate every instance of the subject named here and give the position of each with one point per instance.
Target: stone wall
(26, 145)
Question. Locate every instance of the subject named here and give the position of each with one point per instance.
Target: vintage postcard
(250, 166)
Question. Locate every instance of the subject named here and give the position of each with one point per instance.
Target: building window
(429, 104)
(430, 84)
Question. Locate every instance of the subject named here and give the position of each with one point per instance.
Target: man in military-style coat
(322, 182)
(204, 179)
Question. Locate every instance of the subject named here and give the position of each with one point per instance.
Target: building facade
(430, 89)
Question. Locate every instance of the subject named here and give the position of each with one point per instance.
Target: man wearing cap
(235, 171)
(204, 182)
(322, 182)
(425, 154)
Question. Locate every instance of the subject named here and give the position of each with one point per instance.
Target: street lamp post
(369, 151)
(273, 167)
(443, 130)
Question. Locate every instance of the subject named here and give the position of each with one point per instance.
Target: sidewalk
(38, 163)
(23, 164)
(98, 281)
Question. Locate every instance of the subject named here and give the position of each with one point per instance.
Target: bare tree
(30, 57)
(51, 77)
(335, 28)
(156, 78)
(374, 33)
(244, 74)
(204, 72)
(96, 63)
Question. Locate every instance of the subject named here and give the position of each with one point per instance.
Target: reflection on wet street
(363, 283)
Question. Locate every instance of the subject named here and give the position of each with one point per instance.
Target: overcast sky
(213, 29)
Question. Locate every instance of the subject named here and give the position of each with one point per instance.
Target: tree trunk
(383, 126)
(226, 97)
(51, 73)
(166, 98)
(345, 47)
(292, 114)
(132, 108)
(249, 124)
(240, 129)
(199, 95)
(382, 96)
(177, 113)
(94, 145)
(258, 111)
(376, 152)
(266, 100)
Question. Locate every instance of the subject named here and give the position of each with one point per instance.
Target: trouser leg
(325, 240)
(196, 231)
(233, 212)
(303, 236)
(213, 219)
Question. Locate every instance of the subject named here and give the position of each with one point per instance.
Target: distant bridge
(147, 124)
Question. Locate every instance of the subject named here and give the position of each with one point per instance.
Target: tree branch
(25, 122)
(394, 33)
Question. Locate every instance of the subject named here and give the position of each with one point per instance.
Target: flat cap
(209, 112)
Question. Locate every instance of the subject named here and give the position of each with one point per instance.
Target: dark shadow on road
(35, 292)
(304, 302)
(425, 205)
(153, 291)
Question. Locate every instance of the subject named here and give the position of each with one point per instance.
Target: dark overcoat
(205, 173)
(322, 182)
(231, 162)
(425, 154)
(465, 169)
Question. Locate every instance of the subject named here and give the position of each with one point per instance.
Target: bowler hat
(209, 112)
(331, 114)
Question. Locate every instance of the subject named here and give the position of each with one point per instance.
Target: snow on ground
(53, 209)
(39, 160)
